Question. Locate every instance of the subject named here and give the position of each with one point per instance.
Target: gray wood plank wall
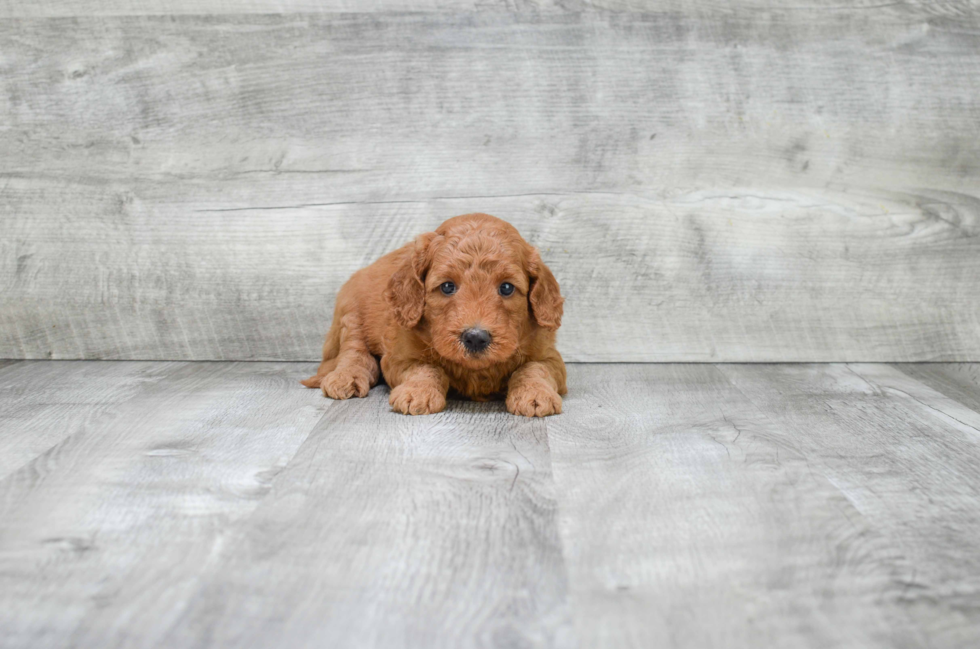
(750, 182)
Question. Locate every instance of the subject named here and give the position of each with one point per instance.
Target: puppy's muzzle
(475, 340)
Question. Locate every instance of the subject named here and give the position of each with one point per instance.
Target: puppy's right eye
(447, 288)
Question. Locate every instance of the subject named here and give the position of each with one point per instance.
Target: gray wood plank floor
(153, 504)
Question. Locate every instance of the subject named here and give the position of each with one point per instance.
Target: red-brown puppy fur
(394, 309)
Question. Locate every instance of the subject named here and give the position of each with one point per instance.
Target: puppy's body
(397, 309)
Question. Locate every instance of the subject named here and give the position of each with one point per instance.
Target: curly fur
(394, 311)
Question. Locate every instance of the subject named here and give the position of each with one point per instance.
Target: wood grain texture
(889, 445)
(395, 531)
(692, 518)
(220, 504)
(42, 404)
(798, 187)
(104, 536)
(891, 380)
(69, 8)
(958, 381)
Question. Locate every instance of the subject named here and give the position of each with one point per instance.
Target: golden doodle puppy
(469, 307)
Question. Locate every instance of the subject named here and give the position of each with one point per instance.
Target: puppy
(470, 307)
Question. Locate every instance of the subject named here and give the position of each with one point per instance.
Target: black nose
(475, 340)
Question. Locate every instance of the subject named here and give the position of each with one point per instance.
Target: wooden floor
(158, 504)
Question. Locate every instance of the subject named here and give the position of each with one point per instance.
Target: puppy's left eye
(506, 289)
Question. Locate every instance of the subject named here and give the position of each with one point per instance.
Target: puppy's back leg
(325, 368)
(354, 371)
(331, 348)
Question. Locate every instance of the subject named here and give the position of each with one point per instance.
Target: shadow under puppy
(470, 307)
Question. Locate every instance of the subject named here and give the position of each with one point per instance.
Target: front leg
(416, 388)
(534, 389)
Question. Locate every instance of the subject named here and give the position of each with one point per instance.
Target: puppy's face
(478, 286)
(476, 300)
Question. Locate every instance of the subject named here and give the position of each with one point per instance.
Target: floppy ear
(406, 287)
(546, 299)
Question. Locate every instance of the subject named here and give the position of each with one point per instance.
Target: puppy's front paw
(533, 399)
(417, 399)
(344, 384)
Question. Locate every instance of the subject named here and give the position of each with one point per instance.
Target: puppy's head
(479, 287)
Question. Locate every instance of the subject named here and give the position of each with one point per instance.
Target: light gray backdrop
(764, 181)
